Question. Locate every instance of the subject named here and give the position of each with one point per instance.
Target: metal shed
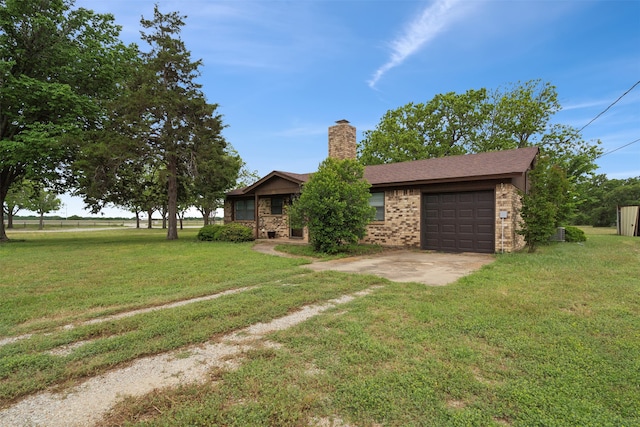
(629, 220)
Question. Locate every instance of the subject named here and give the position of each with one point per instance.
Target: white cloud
(261, 36)
(434, 20)
(302, 131)
(585, 104)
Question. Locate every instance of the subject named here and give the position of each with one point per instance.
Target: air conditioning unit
(559, 235)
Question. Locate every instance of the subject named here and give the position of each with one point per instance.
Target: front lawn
(550, 338)
(50, 281)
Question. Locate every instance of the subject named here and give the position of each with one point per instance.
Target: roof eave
(447, 180)
(252, 187)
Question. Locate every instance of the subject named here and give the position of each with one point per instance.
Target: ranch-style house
(466, 203)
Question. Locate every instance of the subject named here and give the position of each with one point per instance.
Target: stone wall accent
(508, 199)
(228, 209)
(401, 225)
(342, 141)
(268, 222)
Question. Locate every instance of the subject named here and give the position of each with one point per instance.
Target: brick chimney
(342, 141)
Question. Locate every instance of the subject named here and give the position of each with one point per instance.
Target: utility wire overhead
(604, 111)
(612, 104)
(619, 148)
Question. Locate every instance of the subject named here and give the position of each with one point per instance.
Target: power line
(606, 109)
(619, 148)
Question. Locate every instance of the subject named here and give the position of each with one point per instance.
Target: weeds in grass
(54, 294)
(543, 339)
(54, 279)
(346, 251)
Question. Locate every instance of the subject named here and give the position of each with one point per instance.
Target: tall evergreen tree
(180, 120)
(163, 129)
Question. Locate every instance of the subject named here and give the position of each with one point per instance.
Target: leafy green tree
(544, 208)
(17, 198)
(209, 193)
(517, 116)
(214, 171)
(479, 121)
(246, 177)
(153, 195)
(43, 202)
(56, 65)
(334, 204)
(627, 193)
(592, 192)
(601, 196)
(444, 126)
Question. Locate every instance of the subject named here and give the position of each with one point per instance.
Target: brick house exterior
(467, 203)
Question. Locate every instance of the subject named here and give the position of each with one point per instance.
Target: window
(276, 205)
(244, 210)
(377, 201)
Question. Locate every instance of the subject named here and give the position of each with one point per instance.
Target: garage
(459, 221)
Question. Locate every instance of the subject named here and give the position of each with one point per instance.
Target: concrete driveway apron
(430, 268)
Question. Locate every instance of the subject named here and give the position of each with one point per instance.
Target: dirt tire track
(87, 403)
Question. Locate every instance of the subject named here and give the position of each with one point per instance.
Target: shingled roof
(454, 168)
(468, 167)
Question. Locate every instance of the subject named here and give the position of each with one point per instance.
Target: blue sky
(282, 72)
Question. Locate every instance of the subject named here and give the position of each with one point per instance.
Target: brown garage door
(459, 222)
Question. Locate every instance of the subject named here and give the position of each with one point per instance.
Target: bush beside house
(225, 233)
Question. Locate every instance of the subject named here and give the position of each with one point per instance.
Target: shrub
(235, 233)
(225, 233)
(574, 234)
(545, 205)
(210, 232)
(334, 204)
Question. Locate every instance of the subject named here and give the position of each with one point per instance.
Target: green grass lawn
(551, 338)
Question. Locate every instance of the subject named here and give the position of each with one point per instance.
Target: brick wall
(342, 141)
(402, 220)
(401, 226)
(508, 199)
